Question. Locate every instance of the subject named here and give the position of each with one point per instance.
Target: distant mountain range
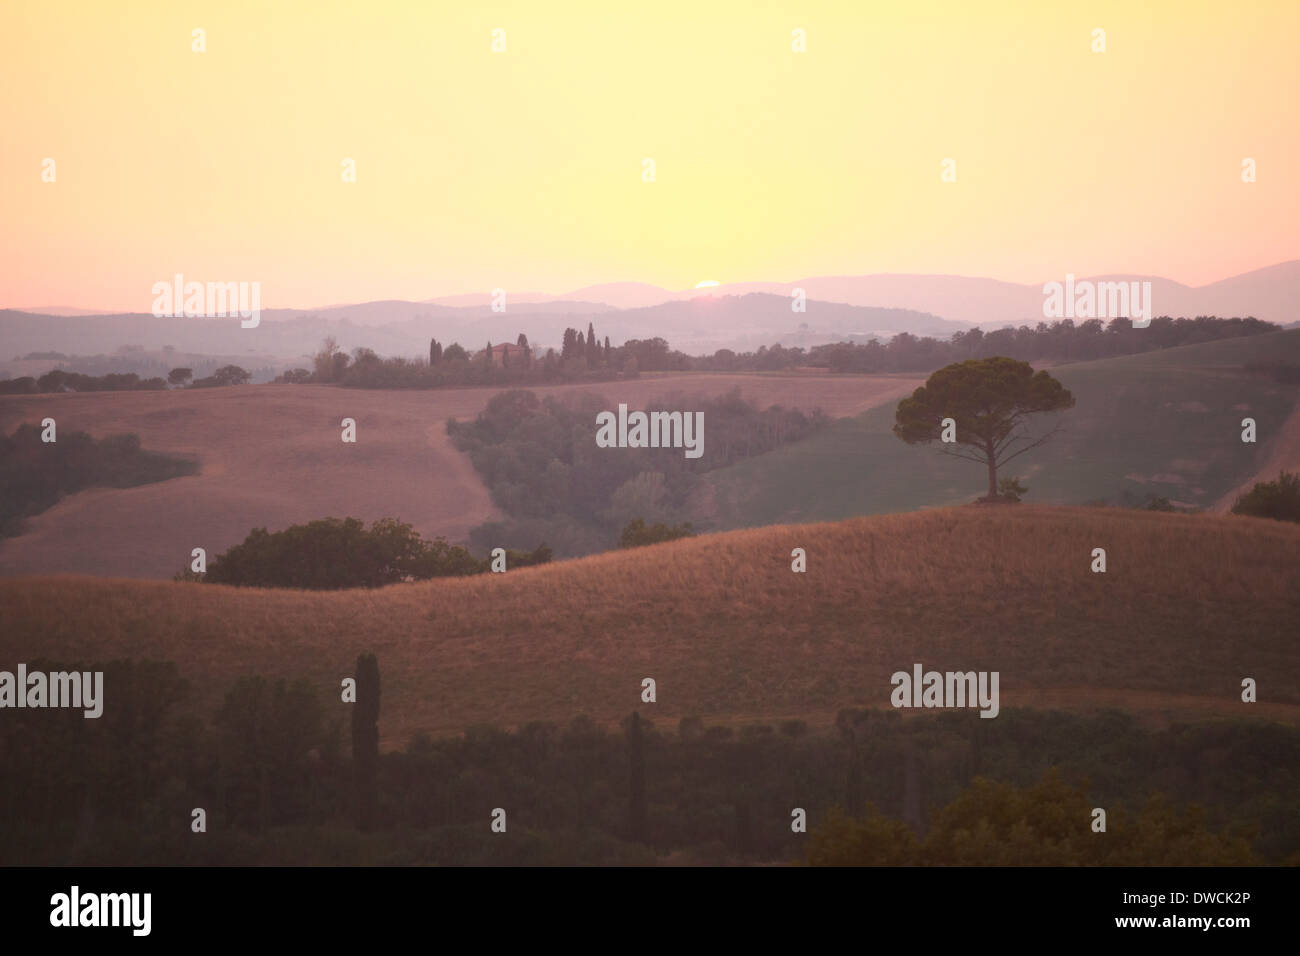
(739, 316)
(1271, 294)
(698, 325)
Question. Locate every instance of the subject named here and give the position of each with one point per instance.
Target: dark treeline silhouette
(1060, 341)
(57, 380)
(585, 357)
(333, 553)
(277, 784)
(537, 458)
(35, 474)
(581, 360)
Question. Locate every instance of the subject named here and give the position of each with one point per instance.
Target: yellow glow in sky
(525, 169)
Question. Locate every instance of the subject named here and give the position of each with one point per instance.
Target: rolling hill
(1164, 423)
(1189, 605)
(271, 456)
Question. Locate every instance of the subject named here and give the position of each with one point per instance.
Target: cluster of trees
(57, 380)
(1278, 499)
(586, 350)
(273, 773)
(539, 459)
(333, 553)
(36, 474)
(451, 365)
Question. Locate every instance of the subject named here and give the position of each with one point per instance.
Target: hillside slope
(271, 456)
(1189, 605)
(1164, 423)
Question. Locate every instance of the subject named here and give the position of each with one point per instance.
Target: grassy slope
(1165, 423)
(1190, 604)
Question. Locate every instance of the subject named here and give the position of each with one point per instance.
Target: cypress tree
(365, 741)
(435, 352)
(593, 346)
(636, 812)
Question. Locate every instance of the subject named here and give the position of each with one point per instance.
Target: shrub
(1272, 499)
(1011, 489)
(637, 534)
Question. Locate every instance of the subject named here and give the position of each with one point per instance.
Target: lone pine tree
(989, 401)
(365, 740)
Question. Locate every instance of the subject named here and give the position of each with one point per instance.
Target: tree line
(1058, 341)
(585, 357)
(57, 380)
(278, 782)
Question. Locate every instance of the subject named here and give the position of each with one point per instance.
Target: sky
(524, 169)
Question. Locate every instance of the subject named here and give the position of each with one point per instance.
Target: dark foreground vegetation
(278, 783)
(35, 474)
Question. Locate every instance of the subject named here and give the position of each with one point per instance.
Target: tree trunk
(993, 473)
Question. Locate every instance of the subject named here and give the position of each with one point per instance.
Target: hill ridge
(1188, 606)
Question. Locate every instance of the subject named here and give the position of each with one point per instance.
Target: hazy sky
(523, 169)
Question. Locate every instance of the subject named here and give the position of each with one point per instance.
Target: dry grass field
(270, 456)
(1189, 605)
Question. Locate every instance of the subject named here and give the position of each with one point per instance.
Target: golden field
(1189, 605)
(271, 456)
